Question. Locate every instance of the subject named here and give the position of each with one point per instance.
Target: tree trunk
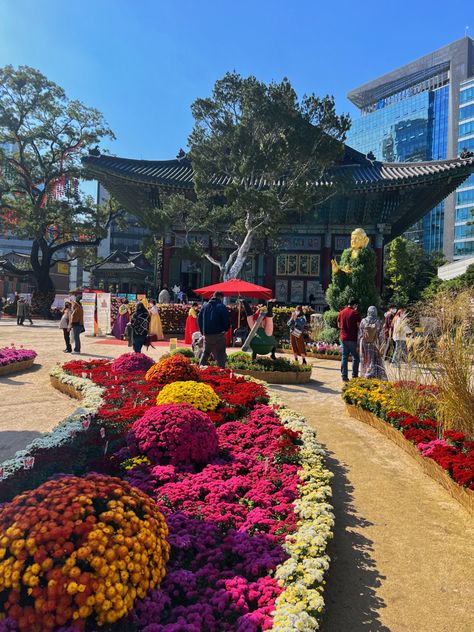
(235, 263)
(44, 293)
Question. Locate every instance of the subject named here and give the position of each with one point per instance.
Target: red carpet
(159, 343)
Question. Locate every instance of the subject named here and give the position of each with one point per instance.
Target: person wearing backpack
(371, 345)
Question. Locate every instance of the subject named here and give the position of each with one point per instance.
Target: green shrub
(243, 361)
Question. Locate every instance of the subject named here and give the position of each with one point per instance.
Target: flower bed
(450, 450)
(13, 359)
(279, 371)
(321, 350)
(247, 512)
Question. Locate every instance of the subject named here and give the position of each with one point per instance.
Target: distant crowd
(370, 341)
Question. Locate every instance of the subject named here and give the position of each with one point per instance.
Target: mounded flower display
(129, 362)
(12, 354)
(174, 434)
(172, 369)
(201, 396)
(242, 488)
(76, 549)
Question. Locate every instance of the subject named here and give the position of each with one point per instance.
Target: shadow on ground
(352, 604)
(13, 440)
(15, 382)
(313, 385)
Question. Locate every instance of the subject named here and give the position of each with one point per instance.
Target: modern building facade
(413, 114)
(385, 199)
(464, 213)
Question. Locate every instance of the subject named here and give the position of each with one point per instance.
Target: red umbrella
(236, 287)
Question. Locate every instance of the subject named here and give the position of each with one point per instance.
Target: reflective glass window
(464, 197)
(466, 128)
(467, 183)
(461, 232)
(466, 95)
(463, 214)
(466, 144)
(466, 112)
(463, 248)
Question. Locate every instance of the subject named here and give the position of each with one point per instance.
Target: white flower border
(66, 429)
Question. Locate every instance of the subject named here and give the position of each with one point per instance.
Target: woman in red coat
(191, 324)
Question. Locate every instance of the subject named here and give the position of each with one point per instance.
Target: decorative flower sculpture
(201, 396)
(79, 550)
(128, 362)
(174, 434)
(171, 369)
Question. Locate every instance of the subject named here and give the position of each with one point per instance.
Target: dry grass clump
(446, 357)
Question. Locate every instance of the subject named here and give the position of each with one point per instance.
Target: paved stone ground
(402, 556)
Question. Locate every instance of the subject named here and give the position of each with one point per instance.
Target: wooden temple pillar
(165, 267)
(269, 271)
(326, 253)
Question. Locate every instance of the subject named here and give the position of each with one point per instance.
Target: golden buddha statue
(359, 240)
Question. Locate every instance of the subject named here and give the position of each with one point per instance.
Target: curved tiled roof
(178, 173)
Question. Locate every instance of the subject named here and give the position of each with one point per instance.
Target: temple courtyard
(401, 558)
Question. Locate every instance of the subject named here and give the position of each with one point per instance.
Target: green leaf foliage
(43, 136)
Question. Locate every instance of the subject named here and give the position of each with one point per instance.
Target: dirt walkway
(403, 552)
(29, 406)
(402, 557)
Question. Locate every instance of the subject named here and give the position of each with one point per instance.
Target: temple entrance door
(190, 280)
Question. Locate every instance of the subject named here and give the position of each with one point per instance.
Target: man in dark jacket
(348, 322)
(213, 321)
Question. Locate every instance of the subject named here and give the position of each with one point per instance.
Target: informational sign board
(103, 314)
(88, 305)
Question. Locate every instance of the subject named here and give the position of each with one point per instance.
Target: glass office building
(411, 115)
(463, 232)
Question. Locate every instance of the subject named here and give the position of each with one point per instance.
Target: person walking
(20, 311)
(387, 330)
(76, 323)
(155, 329)
(139, 325)
(297, 324)
(64, 325)
(348, 321)
(27, 315)
(401, 329)
(213, 321)
(191, 324)
(371, 341)
(164, 296)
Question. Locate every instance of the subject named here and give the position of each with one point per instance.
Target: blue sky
(143, 62)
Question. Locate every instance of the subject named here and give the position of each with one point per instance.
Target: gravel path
(403, 552)
(402, 556)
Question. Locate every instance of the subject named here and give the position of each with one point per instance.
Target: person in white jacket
(400, 330)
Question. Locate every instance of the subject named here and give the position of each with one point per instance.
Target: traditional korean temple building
(383, 198)
(123, 272)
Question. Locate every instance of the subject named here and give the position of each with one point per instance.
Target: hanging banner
(103, 314)
(88, 305)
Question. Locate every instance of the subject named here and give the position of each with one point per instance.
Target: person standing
(191, 324)
(64, 325)
(213, 323)
(387, 329)
(297, 324)
(122, 320)
(139, 324)
(164, 296)
(20, 311)
(155, 328)
(401, 329)
(27, 315)
(348, 322)
(76, 323)
(371, 340)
